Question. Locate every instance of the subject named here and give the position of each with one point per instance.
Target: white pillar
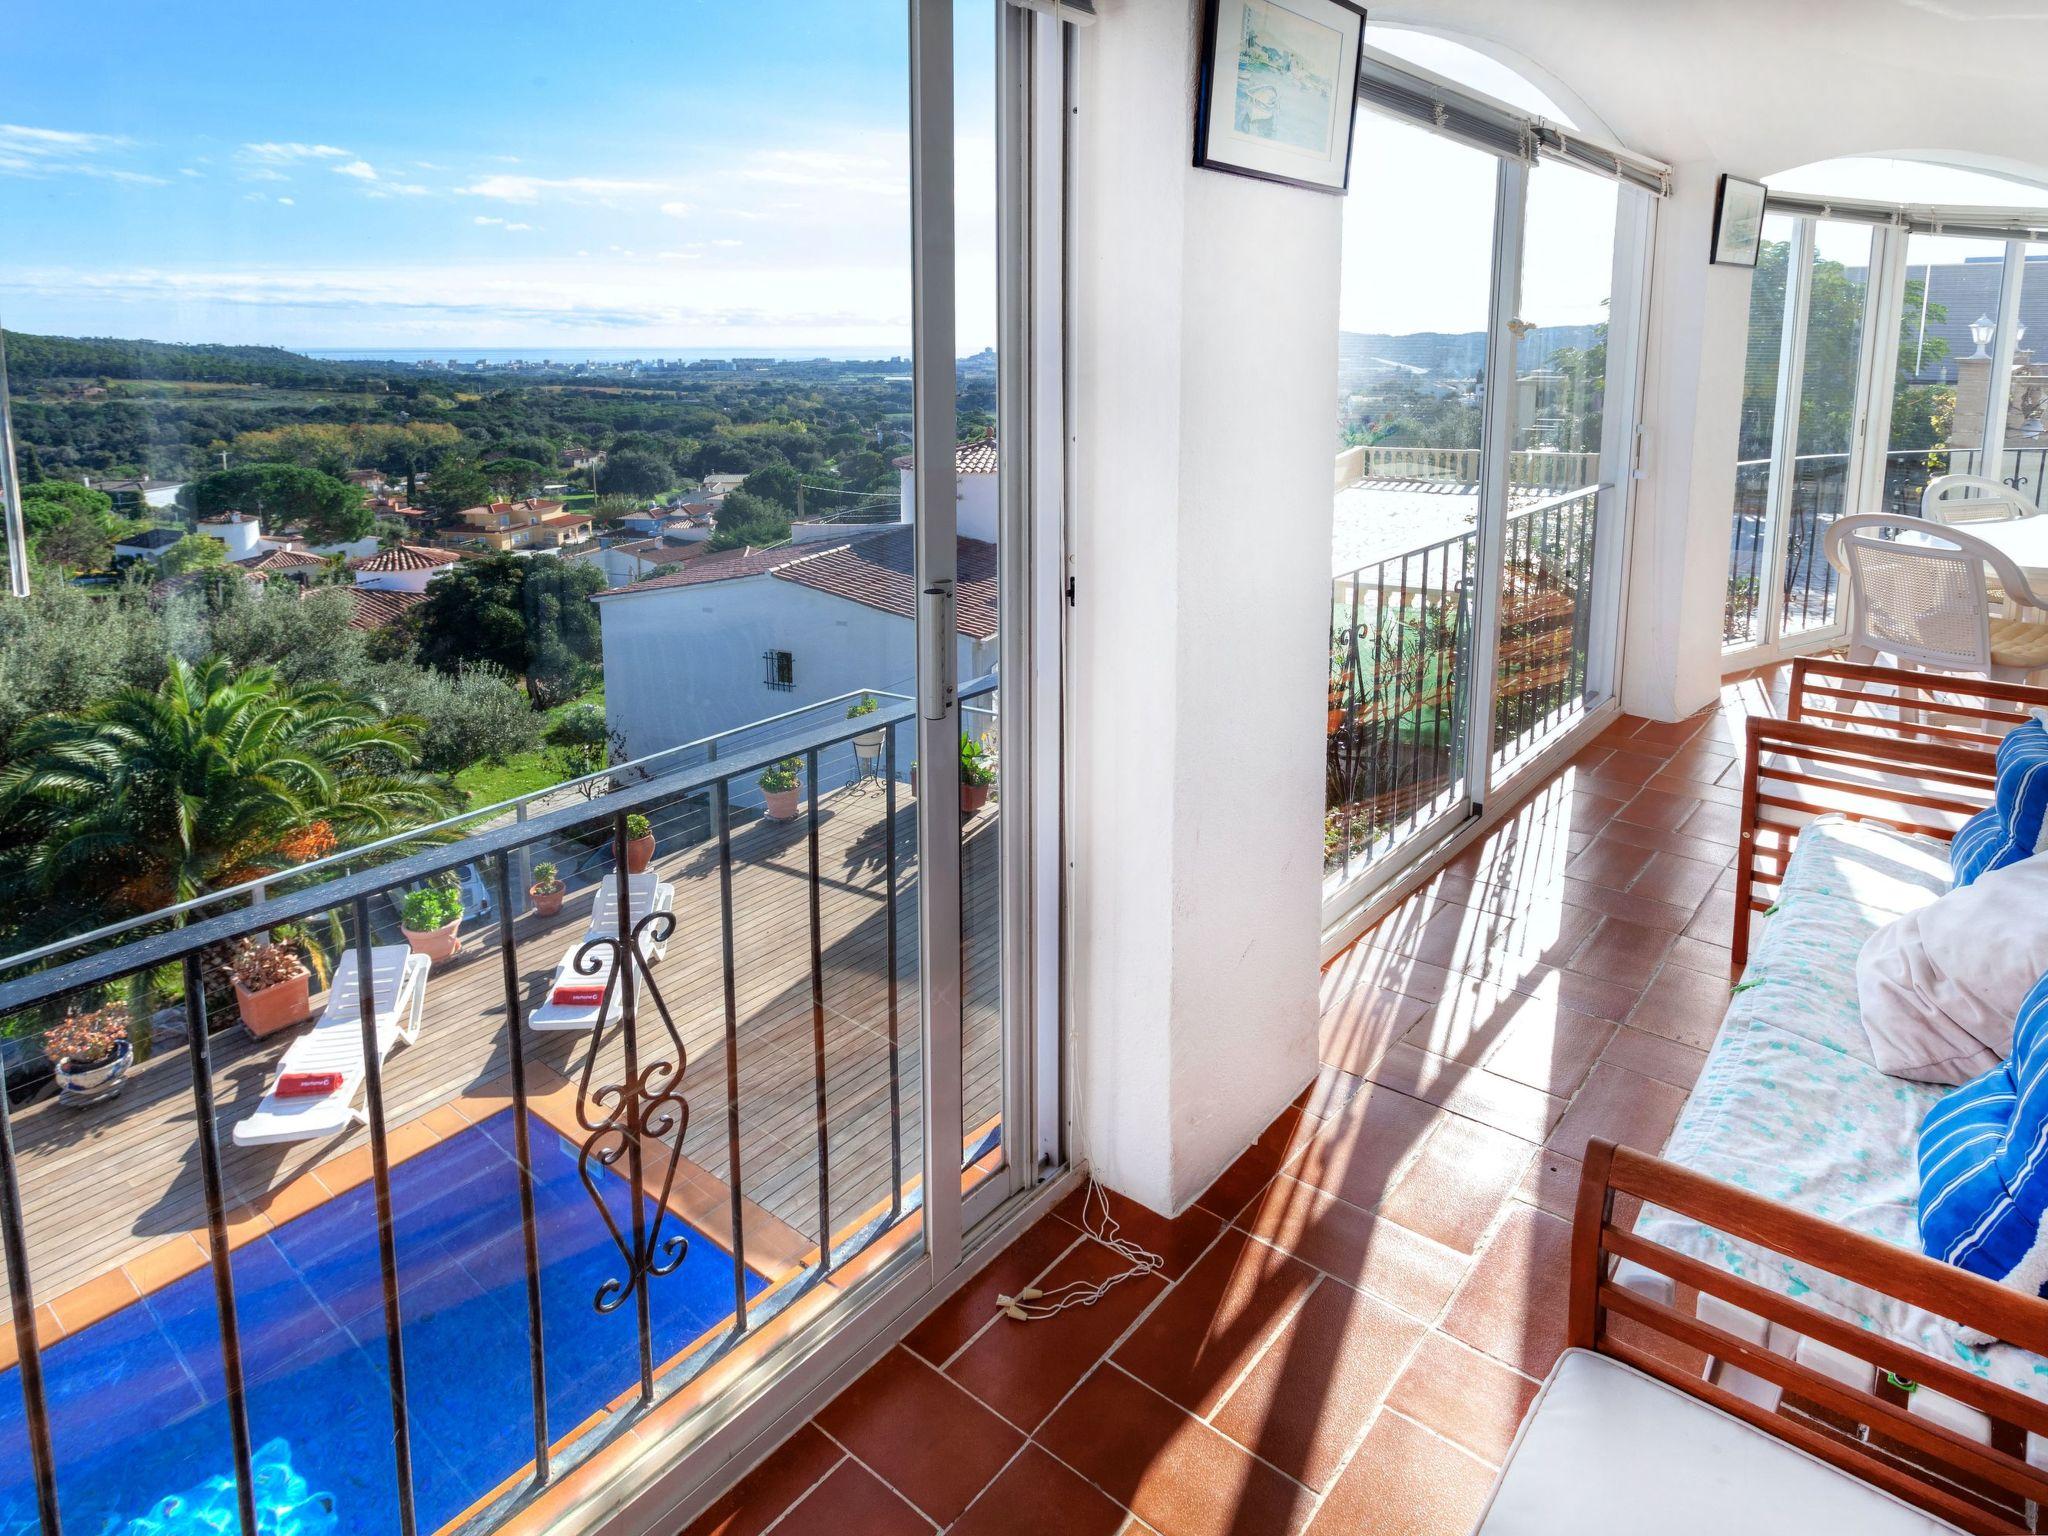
(1692, 407)
(1204, 363)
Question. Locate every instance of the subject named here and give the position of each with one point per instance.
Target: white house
(741, 635)
(150, 544)
(403, 568)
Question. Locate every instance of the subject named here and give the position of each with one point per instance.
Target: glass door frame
(1870, 439)
(678, 1471)
(1634, 239)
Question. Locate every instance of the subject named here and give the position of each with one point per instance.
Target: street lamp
(1982, 329)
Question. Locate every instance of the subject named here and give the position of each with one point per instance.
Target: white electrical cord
(1031, 1304)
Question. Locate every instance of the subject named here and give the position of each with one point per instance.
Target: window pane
(1947, 342)
(517, 440)
(1411, 359)
(1748, 544)
(2025, 463)
(1548, 602)
(985, 775)
(1838, 286)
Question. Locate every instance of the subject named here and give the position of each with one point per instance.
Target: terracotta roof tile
(875, 569)
(282, 560)
(406, 557)
(976, 458)
(376, 608)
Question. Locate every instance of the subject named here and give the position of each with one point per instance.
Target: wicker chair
(1979, 501)
(1920, 595)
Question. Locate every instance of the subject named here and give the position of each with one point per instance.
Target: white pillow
(1941, 986)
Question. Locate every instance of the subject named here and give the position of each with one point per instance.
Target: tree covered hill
(32, 359)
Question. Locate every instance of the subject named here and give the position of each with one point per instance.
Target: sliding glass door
(589, 977)
(1477, 523)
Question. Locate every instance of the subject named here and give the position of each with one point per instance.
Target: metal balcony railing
(1400, 669)
(631, 1098)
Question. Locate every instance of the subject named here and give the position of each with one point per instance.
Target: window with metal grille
(780, 670)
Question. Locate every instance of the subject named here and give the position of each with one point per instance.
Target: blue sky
(684, 173)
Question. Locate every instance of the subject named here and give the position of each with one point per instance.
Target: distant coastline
(571, 355)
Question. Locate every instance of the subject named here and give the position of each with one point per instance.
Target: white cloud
(487, 221)
(679, 210)
(264, 173)
(289, 202)
(42, 152)
(283, 153)
(361, 170)
(506, 188)
(190, 170)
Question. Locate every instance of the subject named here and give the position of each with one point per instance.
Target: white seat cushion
(1606, 1449)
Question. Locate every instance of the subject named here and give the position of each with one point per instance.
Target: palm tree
(215, 777)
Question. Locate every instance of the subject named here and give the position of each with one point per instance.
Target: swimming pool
(137, 1409)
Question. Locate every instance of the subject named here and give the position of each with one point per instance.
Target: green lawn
(524, 772)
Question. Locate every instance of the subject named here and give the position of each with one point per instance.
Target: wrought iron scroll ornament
(643, 1110)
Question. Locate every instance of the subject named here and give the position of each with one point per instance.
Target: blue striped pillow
(1984, 1163)
(2012, 826)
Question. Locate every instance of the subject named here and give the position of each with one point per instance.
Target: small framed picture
(1279, 90)
(1738, 222)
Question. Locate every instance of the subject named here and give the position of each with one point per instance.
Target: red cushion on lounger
(578, 997)
(307, 1085)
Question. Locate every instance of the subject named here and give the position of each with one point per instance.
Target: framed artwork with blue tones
(1279, 90)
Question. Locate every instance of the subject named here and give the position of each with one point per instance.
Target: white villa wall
(401, 581)
(1204, 353)
(682, 663)
(979, 508)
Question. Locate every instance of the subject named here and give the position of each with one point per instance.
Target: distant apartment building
(736, 636)
(539, 523)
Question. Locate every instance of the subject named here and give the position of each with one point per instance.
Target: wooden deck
(119, 1184)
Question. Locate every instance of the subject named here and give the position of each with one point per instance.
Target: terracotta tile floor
(1353, 1319)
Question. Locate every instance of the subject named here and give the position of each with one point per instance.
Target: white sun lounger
(648, 894)
(335, 1044)
(577, 1016)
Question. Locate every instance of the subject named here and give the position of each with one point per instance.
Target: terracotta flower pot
(276, 1007)
(972, 798)
(782, 802)
(437, 944)
(639, 853)
(548, 903)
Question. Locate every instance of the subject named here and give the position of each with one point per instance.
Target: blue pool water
(138, 1418)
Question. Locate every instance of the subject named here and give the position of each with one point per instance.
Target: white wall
(681, 663)
(1204, 356)
(978, 513)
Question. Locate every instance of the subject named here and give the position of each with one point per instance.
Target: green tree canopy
(745, 520)
(530, 616)
(635, 472)
(47, 503)
(330, 511)
(455, 484)
(154, 796)
(514, 477)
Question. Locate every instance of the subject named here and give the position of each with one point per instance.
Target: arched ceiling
(1757, 86)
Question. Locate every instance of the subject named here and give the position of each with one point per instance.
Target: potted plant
(432, 918)
(780, 785)
(977, 774)
(639, 843)
(867, 743)
(90, 1052)
(547, 890)
(272, 986)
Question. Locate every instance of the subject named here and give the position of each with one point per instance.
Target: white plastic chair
(1980, 501)
(1923, 599)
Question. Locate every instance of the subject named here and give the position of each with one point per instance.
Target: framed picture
(1279, 90)
(1738, 222)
